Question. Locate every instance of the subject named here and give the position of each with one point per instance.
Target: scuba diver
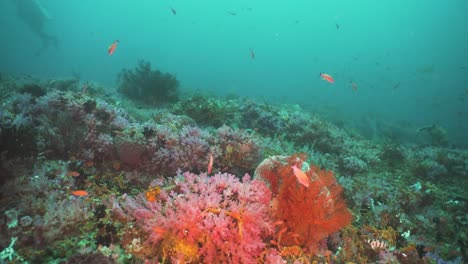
(34, 15)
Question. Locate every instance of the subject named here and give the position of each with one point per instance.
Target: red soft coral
(205, 219)
(305, 215)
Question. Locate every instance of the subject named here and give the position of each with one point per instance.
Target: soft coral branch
(215, 219)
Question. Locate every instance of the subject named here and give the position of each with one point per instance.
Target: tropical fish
(174, 12)
(252, 54)
(116, 165)
(354, 86)
(210, 164)
(73, 173)
(327, 77)
(296, 236)
(152, 193)
(301, 176)
(79, 193)
(112, 47)
(377, 244)
(279, 222)
(159, 230)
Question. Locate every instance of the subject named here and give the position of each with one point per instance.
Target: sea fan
(305, 215)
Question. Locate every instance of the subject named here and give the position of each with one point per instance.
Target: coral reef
(60, 136)
(147, 85)
(207, 111)
(200, 219)
(263, 118)
(353, 165)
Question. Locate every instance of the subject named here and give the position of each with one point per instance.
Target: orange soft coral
(306, 214)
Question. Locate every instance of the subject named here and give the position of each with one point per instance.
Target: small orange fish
(79, 193)
(210, 164)
(279, 222)
(73, 173)
(152, 193)
(296, 236)
(112, 47)
(327, 77)
(301, 176)
(116, 165)
(354, 86)
(89, 163)
(252, 54)
(281, 232)
(159, 230)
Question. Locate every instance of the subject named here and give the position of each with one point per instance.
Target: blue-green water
(408, 58)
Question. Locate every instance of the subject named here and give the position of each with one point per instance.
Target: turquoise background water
(418, 46)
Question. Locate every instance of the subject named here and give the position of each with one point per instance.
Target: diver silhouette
(34, 15)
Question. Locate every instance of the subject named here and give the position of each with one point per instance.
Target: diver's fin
(46, 41)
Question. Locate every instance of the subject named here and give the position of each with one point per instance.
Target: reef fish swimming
(210, 164)
(79, 193)
(354, 86)
(112, 47)
(301, 176)
(327, 77)
(73, 173)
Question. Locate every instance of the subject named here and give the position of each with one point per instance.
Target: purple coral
(185, 149)
(237, 149)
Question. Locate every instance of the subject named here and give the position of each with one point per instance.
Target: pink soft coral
(205, 219)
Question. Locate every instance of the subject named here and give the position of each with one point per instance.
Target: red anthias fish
(327, 77)
(210, 164)
(73, 173)
(302, 178)
(112, 47)
(354, 86)
(79, 193)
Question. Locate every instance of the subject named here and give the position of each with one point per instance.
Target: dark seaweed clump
(33, 89)
(149, 86)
